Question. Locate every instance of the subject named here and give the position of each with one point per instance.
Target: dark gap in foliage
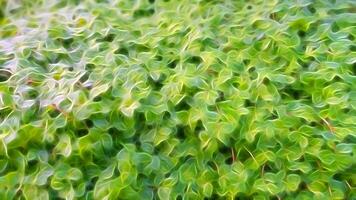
(60, 130)
(212, 165)
(249, 7)
(246, 62)
(195, 60)
(110, 151)
(151, 1)
(302, 186)
(190, 92)
(179, 197)
(150, 126)
(117, 144)
(53, 192)
(32, 163)
(140, 120)
(272, 116)
(313, 124)
(311, 8)
(89, 66)
(91, 183)
(141, 176)
(267, 167)
(2, 14)
(334, 27)
(236, 84)
(158, 149)
(338, 177)
(171, 45)
(84, 77)
(53, 113)
(229, 160)
(272, 16)
(122, 50)
(173, 63)
(82, 132)
(67, 43)
(336, 79)
(137, 143)
(199, 126)
(182, 105)
(215, 196)
(89, 123)
(240, 196)
(350, 139)
(266, 81)
(156, 85)
(221, 97)
(33, 94)
(275, 16)
(109, 38)
(113, 131)
(301, 159)
(346, 110)
(224, 150)
(290, 91)
(311, 58)
(49, 147)
(185, 159)
(303, 64)
(249, 103)
(301, 33)
(351, 37)
(180, 132)
(97, 99)
(251, 70)
(353, 68)
(143, 13)
(166, 116)
(14, 11)
(167, 175)
(158, 57)
(277, 197)
(353, 48)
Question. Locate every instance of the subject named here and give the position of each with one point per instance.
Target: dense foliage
(177, 99)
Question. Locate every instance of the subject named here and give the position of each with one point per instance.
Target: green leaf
(292, 182)
(207, 190)
(164, 192)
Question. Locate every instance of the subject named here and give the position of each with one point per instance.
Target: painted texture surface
(191, 99)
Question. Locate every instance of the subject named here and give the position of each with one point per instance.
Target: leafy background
(190, 99)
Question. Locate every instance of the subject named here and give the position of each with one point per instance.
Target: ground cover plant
(188, 99)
